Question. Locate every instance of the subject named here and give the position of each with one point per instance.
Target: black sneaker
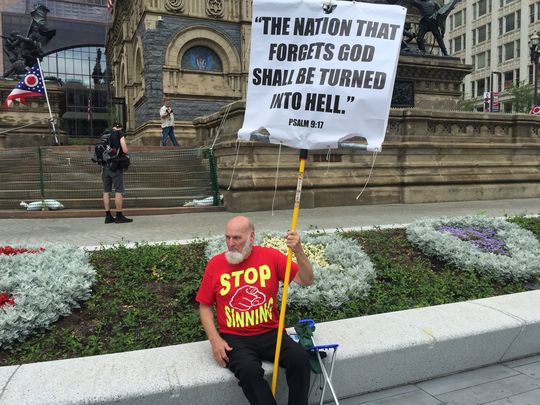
(109, 220)
(120, 219)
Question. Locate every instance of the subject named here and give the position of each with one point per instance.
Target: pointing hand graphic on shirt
(247, 297)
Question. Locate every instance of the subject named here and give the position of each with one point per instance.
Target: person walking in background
(115, 177)
(167, 123)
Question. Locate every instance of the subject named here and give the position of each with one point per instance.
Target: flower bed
(38, 284)
(342, 270)
(489, 246)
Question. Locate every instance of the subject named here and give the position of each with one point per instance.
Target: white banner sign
(316, 79)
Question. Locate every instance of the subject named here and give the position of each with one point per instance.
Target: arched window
(201, 58)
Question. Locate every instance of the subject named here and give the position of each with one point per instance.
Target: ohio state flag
(31, 85)
(535, 109)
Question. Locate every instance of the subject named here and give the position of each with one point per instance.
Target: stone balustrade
(428, 156)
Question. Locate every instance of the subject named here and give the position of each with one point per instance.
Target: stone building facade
(195, 52)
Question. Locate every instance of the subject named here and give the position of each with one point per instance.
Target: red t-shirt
(245, 294)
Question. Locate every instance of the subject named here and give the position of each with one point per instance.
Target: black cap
(117, 125)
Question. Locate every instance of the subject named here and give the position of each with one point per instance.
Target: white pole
(51, 120)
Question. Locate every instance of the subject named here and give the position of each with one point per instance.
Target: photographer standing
(167, 123)
(115, 176)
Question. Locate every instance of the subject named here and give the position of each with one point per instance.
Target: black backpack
(104, 154)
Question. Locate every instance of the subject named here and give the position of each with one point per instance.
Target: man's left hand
(293, 241)
(305, 270)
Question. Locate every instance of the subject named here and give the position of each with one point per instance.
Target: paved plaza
(173, 227)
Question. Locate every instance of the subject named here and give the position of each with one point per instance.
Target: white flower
(524, 248)
(314, 252)
(44, 286)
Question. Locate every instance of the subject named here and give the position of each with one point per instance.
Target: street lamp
(499, 76)
(534, 41)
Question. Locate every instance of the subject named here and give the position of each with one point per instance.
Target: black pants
(245, 362)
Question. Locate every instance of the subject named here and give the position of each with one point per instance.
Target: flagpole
(303, 157)
(109, 72)
(89, 106)
(51, 120)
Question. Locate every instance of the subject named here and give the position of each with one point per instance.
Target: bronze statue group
(24, 51)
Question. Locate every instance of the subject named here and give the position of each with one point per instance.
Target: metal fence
(156, 178)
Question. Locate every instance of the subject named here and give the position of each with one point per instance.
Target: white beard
(234, 257)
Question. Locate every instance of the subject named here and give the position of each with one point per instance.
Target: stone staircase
(157, 177)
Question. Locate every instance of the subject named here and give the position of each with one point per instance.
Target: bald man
(242, 283)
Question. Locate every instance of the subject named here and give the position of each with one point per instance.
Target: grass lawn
(144, 297)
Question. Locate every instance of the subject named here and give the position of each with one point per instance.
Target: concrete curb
(376, 352)
(98, 213)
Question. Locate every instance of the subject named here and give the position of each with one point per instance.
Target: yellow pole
(303, 157)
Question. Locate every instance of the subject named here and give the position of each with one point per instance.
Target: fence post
(213, 176)
(41, 174)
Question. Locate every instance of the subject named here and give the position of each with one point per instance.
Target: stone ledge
(376, 352)
(94, 213)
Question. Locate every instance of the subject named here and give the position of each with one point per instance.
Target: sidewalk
(155, 228)
(513, 383)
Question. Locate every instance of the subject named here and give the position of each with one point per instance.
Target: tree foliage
(467, 104)
(521, 97)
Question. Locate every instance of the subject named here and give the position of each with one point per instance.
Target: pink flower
(11, 251)
(5, 298)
